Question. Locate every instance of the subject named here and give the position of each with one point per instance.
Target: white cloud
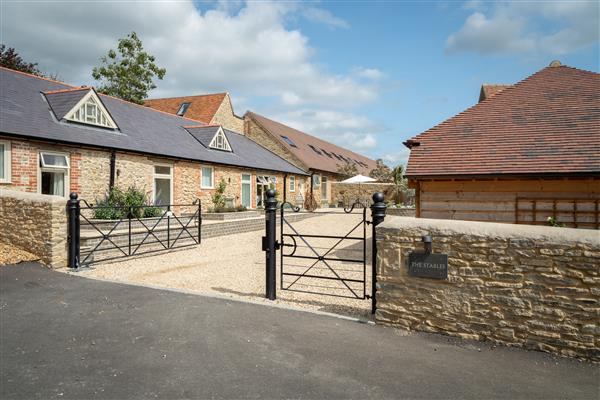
(344, 129)
(397, 157)
(324, 17)
(519, 28)
(243, 48)
(369, 73)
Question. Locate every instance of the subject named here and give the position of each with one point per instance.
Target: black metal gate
(132, 232)
(333, 265)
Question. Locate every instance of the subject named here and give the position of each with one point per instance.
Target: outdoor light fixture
(426, 239)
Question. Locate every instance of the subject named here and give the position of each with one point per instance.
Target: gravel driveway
(235, 266)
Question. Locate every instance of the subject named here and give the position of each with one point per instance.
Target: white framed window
(316, 181)
(219, 141)
(208, 177)
(292, 183)
(53, 173)
(163, 184)
(5, 161)
(90, 110)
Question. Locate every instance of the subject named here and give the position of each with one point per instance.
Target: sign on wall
(428, 265)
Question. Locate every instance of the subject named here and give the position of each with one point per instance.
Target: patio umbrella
(358, 179)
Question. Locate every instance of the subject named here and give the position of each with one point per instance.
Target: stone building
(318, 158)
(56, 138)
(525, 153)
(212, 109)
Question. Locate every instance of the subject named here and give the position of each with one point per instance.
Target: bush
(227, 209)
(119, 204)
(218, 199)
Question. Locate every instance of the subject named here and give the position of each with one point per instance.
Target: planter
(230, 215)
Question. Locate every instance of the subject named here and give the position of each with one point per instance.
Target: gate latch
(265, 244)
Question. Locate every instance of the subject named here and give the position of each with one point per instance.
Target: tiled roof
(202, 108)
(548, 123)
(62, 101)
(314, 152)
(25, 112)
(488, 90)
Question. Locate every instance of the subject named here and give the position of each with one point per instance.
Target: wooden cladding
(572, 202)
(575, 213)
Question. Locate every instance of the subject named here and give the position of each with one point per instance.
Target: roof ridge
(68, 90)
(183, 97)
(37, 76)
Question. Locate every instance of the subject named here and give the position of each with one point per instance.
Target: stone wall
(227, 118)
(347, 193)
(36, 223)
(530, 286)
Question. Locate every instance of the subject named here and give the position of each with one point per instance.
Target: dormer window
(183, 109)
(90, 110)
(220, 141)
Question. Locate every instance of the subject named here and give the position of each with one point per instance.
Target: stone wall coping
(33, 197)
(364, 183)
(494, 229)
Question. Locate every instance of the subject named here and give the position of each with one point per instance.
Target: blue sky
(365, 75)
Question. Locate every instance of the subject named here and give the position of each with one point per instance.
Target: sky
(366, 75)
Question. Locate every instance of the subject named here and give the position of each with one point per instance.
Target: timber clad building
(524, 153)
(56, 138)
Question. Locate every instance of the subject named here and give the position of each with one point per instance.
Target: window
(162, 184)
(207, 178)
(4, 161)
(183, 108)
(288, 141)
(91, 111)
(324, 191)
(328, 154)
(314, 149)
(292, 183)
(316, 179)
(337, 156)
(53, 174)
(219, 141)
(246, 190)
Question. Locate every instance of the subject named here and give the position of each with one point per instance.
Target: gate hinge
(265, 244)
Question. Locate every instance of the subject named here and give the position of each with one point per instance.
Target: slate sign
(428, 265)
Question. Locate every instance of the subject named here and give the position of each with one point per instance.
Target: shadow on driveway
(63, 336)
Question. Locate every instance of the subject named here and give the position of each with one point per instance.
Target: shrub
(227, 209)
(152, 212)
(554, 222)
(119, 204)
(218, 199)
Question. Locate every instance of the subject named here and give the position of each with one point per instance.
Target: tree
(130, 74)
(400, 186)
(347, 170)
(382, 173)
(9, 58)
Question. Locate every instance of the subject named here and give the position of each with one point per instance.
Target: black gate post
(377, 216)
(269, 242)
(73, 211)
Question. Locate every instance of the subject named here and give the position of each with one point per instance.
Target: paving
(68, 337)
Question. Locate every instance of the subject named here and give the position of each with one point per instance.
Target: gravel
(234, 266)
(10, 254)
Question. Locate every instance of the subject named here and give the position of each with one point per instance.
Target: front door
(246, 190)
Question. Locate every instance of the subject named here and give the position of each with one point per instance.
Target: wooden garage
(525, 153)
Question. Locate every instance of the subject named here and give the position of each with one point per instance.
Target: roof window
(183, 108)
(288, 141)
(315, 149)
(328, 154)
(91, 111)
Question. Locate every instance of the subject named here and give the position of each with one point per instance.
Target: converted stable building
(525, 153)
(56, 138)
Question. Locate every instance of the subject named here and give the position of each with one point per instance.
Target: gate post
(73, 211)
(269, 243)
(377, 216)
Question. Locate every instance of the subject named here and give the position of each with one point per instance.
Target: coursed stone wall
(36, 223)
(347, 193)
(530, 286)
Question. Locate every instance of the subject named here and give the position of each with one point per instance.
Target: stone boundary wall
(529, 286)
(36, 223)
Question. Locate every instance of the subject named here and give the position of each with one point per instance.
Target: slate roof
(329, 156)
(549, 123)
(204, 134)
(202, 107)
(62, 101)
(25, 112)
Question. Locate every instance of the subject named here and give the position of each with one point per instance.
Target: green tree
(381, 172)
(9, 58)
(347, 170)
(129, 74)
(400, 184)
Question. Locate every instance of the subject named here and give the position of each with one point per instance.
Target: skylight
(328, 154)
(288, 141)
(315, 149)
(183, 108)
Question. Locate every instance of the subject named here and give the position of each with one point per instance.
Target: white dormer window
(90, 110)
(220, 141)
